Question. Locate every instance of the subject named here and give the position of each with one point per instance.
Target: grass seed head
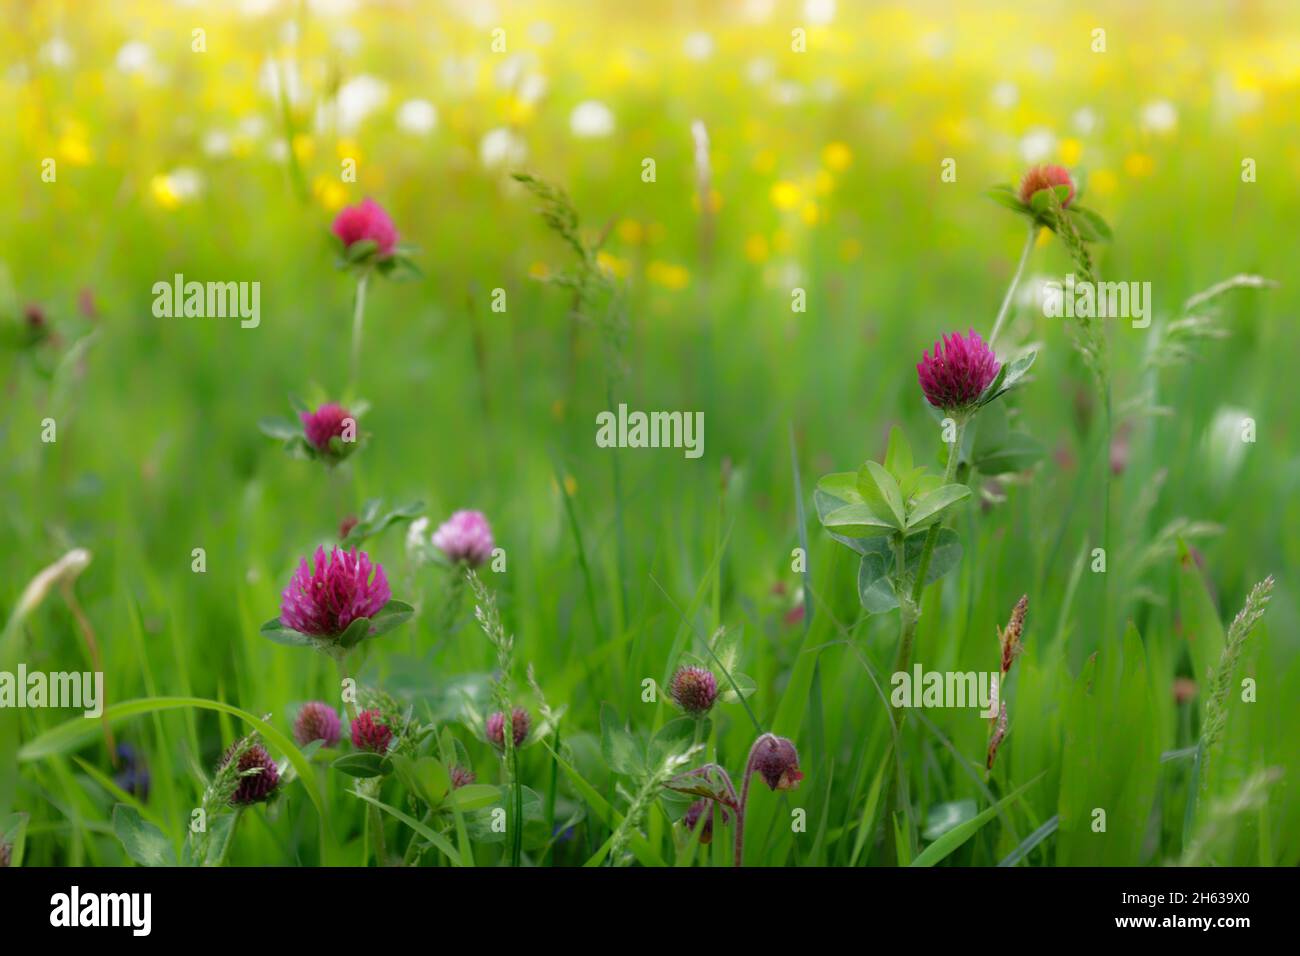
(1010, 637)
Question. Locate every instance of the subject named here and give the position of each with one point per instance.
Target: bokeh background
(823, 173)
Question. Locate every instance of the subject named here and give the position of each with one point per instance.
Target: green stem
(954, 453)
(1015, 281)
(358, 317)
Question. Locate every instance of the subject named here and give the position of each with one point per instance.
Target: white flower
(1037, 145)
(415, 540)
(134, 57)
(357, 99)
(216, 143)
(1160, 116)
(501, 147)
(57, 53)
(819, 12)
(698, 46)
(591, 119)
(417, 117)
(1005, 95)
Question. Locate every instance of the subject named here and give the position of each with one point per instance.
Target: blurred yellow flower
(837, 156)
(1044, 237)
(73, 149)
(1102, 182)
(329, 192)
(764, 162)
(612, 264)
(304, 147)
(539, 270)
(1070, 149)
(667, 274)
(756, 248)
(809, 213)
(785, 195)
(1139, 164)
(347, 148)
(630, 231)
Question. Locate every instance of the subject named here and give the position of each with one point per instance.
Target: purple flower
(316, 721)
(325, 601)
(328, 421)
(133, 775)
(255, 787)
(695, 811)
(958, 376)
(465, 536)
(520, 724)
(694, 689)
(776, 761)
(366, 220)
(369, 733)
(461, 777)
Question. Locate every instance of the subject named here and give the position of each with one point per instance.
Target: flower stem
(962, 419)
(1015, 281)
(358, 316)
(744, 799)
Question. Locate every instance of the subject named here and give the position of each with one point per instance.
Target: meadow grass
(621, 561)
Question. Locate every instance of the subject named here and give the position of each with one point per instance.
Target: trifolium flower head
(694, 689)
(465, 537)
(317, 720)
(366, 221)
(258, 775)
(325, 600)
(520, 724)
(370, 733)
(461, 776)
(329, 422)
(1045, 176)
(955, 376)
